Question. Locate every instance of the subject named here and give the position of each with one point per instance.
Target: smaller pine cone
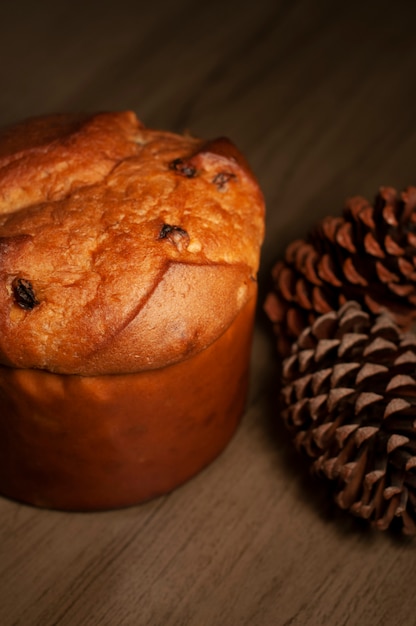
(349, 400)
(367, 255)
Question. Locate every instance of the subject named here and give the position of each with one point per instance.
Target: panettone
(128, 261)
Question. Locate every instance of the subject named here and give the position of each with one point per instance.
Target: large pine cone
(367, 255)
(349, 396)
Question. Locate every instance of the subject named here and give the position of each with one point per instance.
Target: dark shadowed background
(320, 96)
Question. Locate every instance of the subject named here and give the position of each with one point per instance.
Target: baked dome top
(121, 248)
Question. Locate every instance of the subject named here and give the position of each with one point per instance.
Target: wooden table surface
(321, 98)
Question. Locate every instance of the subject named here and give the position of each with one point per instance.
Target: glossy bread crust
(122, 249)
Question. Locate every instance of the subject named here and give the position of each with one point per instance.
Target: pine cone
(349, 396)
(367, 255)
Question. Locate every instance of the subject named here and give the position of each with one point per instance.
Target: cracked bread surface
(122, 248)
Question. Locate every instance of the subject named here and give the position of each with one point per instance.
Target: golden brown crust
(121, 248)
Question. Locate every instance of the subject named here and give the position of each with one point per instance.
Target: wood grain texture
(320, 96)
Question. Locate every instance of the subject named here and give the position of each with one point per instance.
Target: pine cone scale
(360, 430)
(368, 254)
